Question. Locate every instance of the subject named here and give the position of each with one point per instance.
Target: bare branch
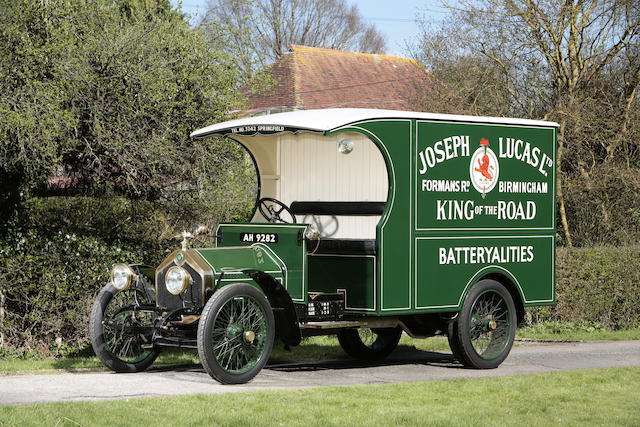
(259, 31)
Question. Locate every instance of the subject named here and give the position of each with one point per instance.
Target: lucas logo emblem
(484, 168)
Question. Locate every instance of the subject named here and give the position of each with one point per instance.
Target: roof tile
(311, 77)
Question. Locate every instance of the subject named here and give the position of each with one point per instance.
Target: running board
(333, 325)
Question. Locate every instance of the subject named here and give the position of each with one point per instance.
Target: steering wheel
(271, 209)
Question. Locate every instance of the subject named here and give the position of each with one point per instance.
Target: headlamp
(177, 280)
(122, 276)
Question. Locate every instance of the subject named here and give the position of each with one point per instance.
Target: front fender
(284, 311)
(146, 270)
(264, 268)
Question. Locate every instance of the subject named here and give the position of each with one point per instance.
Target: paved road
(418, 366)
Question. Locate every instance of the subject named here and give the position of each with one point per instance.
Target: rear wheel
(369, 344)
(235, 334)
(115, 332)
(483, 334)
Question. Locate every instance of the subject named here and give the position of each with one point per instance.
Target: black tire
(236, 333)
(110, 348)
(483, 334)
(454, 340)
(369, 344)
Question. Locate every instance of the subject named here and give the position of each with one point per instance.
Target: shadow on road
(416, 357)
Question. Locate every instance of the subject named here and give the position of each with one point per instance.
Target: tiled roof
(309, 78)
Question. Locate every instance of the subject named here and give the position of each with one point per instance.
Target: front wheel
(369, 344)
(115, 330)
(483, 334)
(235, 334)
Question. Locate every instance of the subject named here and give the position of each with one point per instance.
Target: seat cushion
(342, 246)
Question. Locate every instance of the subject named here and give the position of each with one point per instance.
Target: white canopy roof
(332, 118)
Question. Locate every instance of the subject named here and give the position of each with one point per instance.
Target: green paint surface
(445, 197)
(457, 185)
(354, 276)
(230, 260)
(226, 264)
(393, 138)
(289, 252)
(462, 261)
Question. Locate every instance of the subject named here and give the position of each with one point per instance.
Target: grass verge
(553, 330)
(593, 397)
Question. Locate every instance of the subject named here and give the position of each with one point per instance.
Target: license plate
(259, 237)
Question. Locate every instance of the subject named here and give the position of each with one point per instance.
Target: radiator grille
(192, 297)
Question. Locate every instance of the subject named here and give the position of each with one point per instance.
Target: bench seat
(338, 208)
(328, 246)
(342, 246)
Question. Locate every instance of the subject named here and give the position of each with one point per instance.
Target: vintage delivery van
(367, 223)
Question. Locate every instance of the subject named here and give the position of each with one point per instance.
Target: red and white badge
(484, 168)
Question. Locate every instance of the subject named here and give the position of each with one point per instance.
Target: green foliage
(49, 285)
(103, 94)
(52, 267)
(596, 288)
(106, 93)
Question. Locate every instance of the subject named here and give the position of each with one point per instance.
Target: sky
(396, 19)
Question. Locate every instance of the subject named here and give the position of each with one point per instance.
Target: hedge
(49, 286)
(50, 282)
(58, 257)
(596, 286)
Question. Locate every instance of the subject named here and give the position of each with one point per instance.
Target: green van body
(439, 233)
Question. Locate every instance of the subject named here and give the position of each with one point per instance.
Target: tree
(563, 61)
(256, 32)
(33, 119)
(103, 93)
(106, 93)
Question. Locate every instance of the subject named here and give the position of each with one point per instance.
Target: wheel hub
(249, 336)
(233, 330)
(487, 323)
